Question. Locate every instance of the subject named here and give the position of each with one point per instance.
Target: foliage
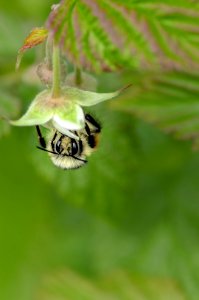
(119, 285)
(109, 34)
(127, 224)
(168, 100)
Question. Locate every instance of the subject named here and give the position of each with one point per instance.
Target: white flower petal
(70, 117)
(65, 131)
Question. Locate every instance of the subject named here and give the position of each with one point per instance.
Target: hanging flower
(65, 112)
(59, 106)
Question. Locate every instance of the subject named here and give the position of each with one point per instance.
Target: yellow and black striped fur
(71, 153)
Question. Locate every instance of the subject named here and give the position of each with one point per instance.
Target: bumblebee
(67, 152)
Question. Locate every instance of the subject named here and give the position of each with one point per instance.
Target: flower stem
(49, 50)
(78, 76)
(56, 88)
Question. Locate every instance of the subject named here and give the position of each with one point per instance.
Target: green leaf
(114, 286)
(168, 100)
(107, 34)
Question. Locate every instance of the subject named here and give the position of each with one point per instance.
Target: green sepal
(38, 112)
(87, 98)
(61, 112)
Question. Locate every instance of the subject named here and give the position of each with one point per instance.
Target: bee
(67, 152)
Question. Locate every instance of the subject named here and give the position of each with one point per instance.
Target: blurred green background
(123, 227)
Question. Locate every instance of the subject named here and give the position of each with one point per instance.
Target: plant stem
(56, 88)
(78, 76)
(49, 50)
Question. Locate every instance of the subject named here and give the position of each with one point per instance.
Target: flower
(65, 112)
(59, 106)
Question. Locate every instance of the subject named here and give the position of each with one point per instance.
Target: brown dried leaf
(36, 37)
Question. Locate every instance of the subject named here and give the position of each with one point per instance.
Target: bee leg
(87, 129)
(91, 134)
(41, 139)
(92, 121)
